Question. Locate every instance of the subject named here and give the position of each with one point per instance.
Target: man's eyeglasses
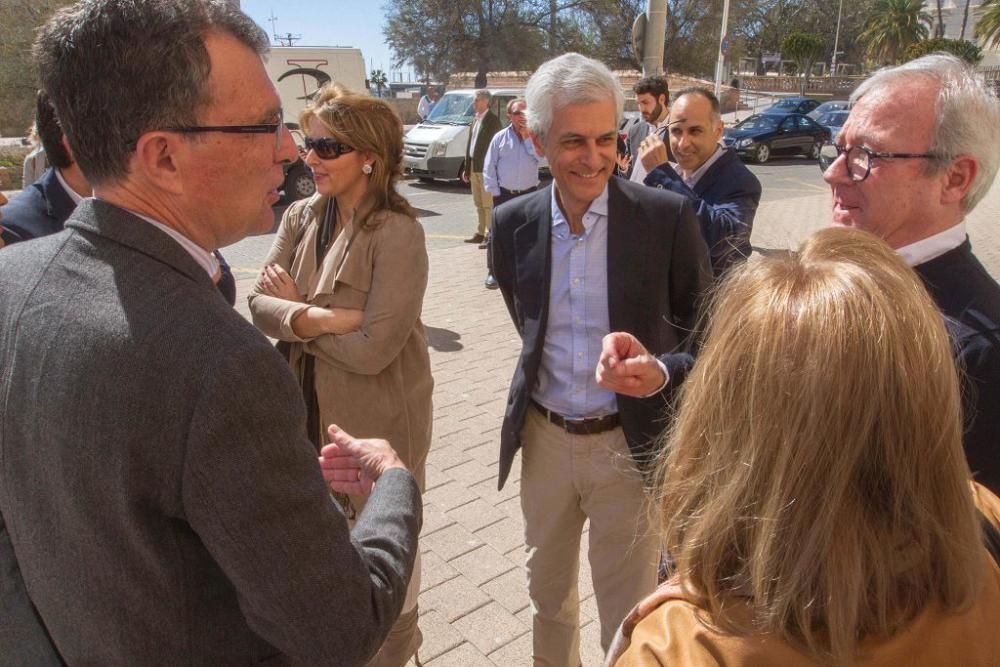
(859, 159)
(262, 128)
(327, 148)
(516, 113)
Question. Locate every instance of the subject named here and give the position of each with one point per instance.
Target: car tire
(814, 152)
(425, 179)
(299, 184)
(762, 154)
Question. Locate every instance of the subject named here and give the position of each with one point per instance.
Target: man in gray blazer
(157, 488)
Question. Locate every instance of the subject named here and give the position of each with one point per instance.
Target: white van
(436, 147)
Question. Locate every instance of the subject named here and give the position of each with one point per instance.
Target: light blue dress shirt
(511, 162)
(578, 316)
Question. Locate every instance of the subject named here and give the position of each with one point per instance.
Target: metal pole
(722, 57)
(836, 41)
(652, 44)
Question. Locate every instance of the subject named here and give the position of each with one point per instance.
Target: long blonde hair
(815, 470)
(369, 125)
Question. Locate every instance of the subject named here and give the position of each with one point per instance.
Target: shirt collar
(692, 179)
(597, 209)
(204, 258)
(70, 192)
(927, 249)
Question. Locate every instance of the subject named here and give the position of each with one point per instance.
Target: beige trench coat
(375, 382)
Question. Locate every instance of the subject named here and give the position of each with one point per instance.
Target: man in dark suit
(157, 487)
(724, 193)
(919, 150)
(575, 261)
(485, 125)
(43, 207)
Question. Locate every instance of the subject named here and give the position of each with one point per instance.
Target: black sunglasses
(261, 128)
(326, 148)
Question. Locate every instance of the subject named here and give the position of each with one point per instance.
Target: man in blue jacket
(725, 194)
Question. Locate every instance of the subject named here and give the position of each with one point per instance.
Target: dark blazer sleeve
(285, 546)
(690, 280)
(727, 220)
(978, 356)
(500, 261)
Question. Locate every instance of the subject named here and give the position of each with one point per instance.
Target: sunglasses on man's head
(327, 148)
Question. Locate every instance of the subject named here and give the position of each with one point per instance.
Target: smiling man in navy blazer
(575, 261)
(724, 193)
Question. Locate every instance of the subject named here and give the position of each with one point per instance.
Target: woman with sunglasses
(815, 497)
(343, 286)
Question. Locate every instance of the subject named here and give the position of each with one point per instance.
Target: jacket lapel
(623, 253)
(532, 247)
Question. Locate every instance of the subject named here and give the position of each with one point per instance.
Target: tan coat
(375, 382)
(675, 632)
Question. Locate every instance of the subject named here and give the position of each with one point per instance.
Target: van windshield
(453, 109)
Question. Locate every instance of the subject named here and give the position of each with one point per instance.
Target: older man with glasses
(511, 167)
(920, 149)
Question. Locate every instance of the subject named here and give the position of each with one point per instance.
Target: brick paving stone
(514, 654)
(453, 598)
(485, 453)
(434, 570)
(487, 490)
(509, 589)
(439, 636)
(447, 455)
(434, 519)
(504, 536)
(588, 608)
(471, 472)
(451, 542)
(450, 495)
(434, 476)
(490, 627)
(511, 506)
(591, 654)
(477, 514)
(482, 565)
(463, 655)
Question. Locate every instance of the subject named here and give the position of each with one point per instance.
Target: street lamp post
(723, 48)
(836, 41)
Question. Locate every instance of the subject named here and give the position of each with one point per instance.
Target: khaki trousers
(483, 201)
(565, 480)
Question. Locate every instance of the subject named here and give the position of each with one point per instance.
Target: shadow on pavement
(443, 340)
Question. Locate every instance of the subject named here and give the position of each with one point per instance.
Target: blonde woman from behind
(815, 498)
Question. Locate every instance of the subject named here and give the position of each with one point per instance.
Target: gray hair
(116, 69)
(482, 92)
(968, 114)
(569, 79)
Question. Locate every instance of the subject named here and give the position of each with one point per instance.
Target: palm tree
(892, 26)
(379, 79)
(965, 20)
(988, 28)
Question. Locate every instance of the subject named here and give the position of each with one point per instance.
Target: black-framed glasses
(327, 148)
(261, 128)
(859, 158)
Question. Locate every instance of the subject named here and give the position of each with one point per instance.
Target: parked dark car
(833, 121)
(832, 105)
(762, 135)
(299, 182)
(793, 105)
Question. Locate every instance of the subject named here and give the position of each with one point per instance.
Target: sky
(356, 23)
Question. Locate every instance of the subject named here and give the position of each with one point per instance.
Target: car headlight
(438, 149)
(744, 143)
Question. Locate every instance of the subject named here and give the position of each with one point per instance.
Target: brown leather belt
(590, 426)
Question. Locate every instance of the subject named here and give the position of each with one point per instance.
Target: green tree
(378, 79)
(962, 48)
(892, 27)
(804, 50)
(988, 28)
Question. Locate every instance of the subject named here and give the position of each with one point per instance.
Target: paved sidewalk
(473, 602)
